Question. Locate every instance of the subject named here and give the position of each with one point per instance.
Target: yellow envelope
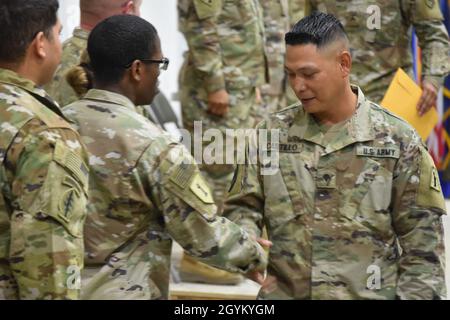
(401, 99)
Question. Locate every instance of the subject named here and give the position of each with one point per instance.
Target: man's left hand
(428, 98)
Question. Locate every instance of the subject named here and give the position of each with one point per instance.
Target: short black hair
(318, 28)
(116, 42)
(21, 21)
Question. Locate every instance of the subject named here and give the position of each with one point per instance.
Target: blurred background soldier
(296, 12)
(276, 24)
(91, 13)
(43, 172)
(219, 86)
(380, 40)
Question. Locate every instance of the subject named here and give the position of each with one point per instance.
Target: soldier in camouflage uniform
(296, 11)
(219, 86)
(276, 24)
(379, 33)
(145, 187)
(224, 66)
(91, 13)
(354, 207)
(43, 172)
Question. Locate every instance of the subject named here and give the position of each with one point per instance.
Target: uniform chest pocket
(355, 179)
(285, 196)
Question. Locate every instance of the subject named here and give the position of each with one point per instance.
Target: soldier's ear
(345, 62)
(136, 70)
(128, 7)
(38, 45)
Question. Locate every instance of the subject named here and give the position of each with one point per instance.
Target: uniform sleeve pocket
(186, 182)
(64, 193)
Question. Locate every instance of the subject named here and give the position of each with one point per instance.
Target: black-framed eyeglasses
(163, 63)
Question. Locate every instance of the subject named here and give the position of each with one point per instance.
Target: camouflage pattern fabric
(59, 89)
(226, 51)
(146, 190)
(276, 24)
(353, 213)
(297, 10)
(379, 49)
(43, 182)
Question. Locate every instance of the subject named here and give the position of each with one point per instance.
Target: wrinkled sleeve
(427, 19)
(189, 213)
(418, 207)
(49, 207)
(198, 22)
(245, 201)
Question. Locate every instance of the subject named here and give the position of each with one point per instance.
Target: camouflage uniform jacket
(59, 89)
(145, 189)
(276, 24)
(379, 33)
(43, 182)
(297, 10)
(358, 217)
(226, 44)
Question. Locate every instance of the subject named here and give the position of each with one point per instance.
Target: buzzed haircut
(320, 29)
(116, 42)
(20, 22)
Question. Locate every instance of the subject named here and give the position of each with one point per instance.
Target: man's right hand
(258, 275)
(218, 102)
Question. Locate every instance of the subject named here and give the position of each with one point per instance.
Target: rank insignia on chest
(326, 179)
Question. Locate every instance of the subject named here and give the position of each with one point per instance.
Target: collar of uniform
(110, 97)
(12, 78)
(357, 129)
(81, 33)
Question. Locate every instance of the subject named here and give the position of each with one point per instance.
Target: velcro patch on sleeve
(429, 193)
(427, 10)
(434, 183)
(201, 190)
(182, 175)
(70, 160)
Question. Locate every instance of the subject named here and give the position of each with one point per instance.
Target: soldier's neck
(25, 70)
(88, 21)
(119, 89)
(342, 109)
